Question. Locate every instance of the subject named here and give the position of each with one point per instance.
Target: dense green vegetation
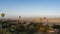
(10, 27)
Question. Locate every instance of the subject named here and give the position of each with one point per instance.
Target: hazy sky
(30, 8)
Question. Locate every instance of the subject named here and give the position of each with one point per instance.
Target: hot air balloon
(19, 16)
(44, 17)
(41, 20)
(2, 15)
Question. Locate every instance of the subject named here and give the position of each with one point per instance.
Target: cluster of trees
(13, 28)
(17, 28)
(56, 27)
(7, 27)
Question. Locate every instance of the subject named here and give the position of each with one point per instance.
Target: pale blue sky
(30, 8)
